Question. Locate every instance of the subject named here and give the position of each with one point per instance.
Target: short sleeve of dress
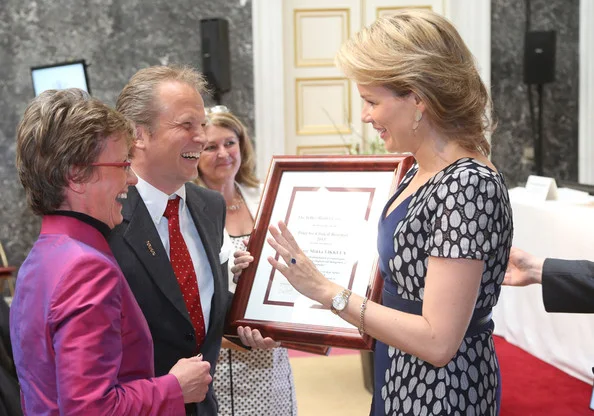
(465, 215)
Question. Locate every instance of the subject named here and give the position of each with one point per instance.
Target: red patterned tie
(184, 269)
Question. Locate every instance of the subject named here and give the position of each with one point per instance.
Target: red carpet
(532, 387)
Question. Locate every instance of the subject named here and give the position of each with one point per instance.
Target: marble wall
(116, 38)
(513, 135)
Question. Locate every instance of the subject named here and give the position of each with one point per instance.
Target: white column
(586, 87)
(472, 19)
(267, 18)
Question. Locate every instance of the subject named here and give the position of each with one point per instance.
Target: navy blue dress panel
(385, 244)
(461, 212)
(385, 234)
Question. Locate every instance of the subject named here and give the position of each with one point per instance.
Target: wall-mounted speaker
(216, 58)
(539, 57)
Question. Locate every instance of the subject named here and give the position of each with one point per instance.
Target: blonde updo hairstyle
(419, 51)
(245, 175)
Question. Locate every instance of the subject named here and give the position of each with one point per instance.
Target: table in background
(549, 229)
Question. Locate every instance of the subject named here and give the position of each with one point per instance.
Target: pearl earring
(418, 117)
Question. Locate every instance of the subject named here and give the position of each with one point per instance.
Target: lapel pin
(150, 248)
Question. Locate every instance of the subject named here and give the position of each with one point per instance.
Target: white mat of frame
(330, 386)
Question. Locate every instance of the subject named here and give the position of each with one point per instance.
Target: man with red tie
(169, 244)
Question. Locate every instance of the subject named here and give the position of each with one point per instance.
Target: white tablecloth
(549, 229)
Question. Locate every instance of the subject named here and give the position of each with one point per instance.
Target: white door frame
(473, 20)
(269, 104)
(471, 17)
(586, 88)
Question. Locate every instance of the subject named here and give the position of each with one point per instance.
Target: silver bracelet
(362, 316)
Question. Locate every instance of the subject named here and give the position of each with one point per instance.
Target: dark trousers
(191, 409)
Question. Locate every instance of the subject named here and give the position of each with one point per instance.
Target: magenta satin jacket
(81, 344)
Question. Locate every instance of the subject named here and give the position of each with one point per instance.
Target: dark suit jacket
(10, 396)
(568, 286)
(155, 287)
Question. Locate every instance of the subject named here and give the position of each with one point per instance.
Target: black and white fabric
(462, 212)
(256, 382)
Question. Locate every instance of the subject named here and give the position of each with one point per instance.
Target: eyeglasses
(125, 165)
(217, 109)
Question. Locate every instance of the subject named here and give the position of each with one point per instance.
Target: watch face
(339, 303)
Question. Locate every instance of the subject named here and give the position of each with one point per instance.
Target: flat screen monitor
(60, 76)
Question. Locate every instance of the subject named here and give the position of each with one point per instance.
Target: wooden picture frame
(329, 149)
(317, 197)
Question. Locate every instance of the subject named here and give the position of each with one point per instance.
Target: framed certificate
(332, 205)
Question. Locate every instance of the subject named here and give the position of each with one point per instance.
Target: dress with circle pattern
(256, 382)
(462, 212)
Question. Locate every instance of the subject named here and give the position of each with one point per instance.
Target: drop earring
(417, 118)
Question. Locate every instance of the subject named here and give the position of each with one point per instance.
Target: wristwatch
(340, 301)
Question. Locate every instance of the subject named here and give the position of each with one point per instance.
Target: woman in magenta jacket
(81, 344)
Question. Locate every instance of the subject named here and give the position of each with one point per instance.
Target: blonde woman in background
(444, 236)
(258, 382)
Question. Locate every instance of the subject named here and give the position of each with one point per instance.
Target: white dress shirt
(251, 196)
(156, 202)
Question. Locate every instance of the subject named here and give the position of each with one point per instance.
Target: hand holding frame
(299, 269)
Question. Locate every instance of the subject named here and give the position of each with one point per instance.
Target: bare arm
(451, 290)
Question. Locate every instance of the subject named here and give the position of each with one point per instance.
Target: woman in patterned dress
(258, 382)
(444, 236)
